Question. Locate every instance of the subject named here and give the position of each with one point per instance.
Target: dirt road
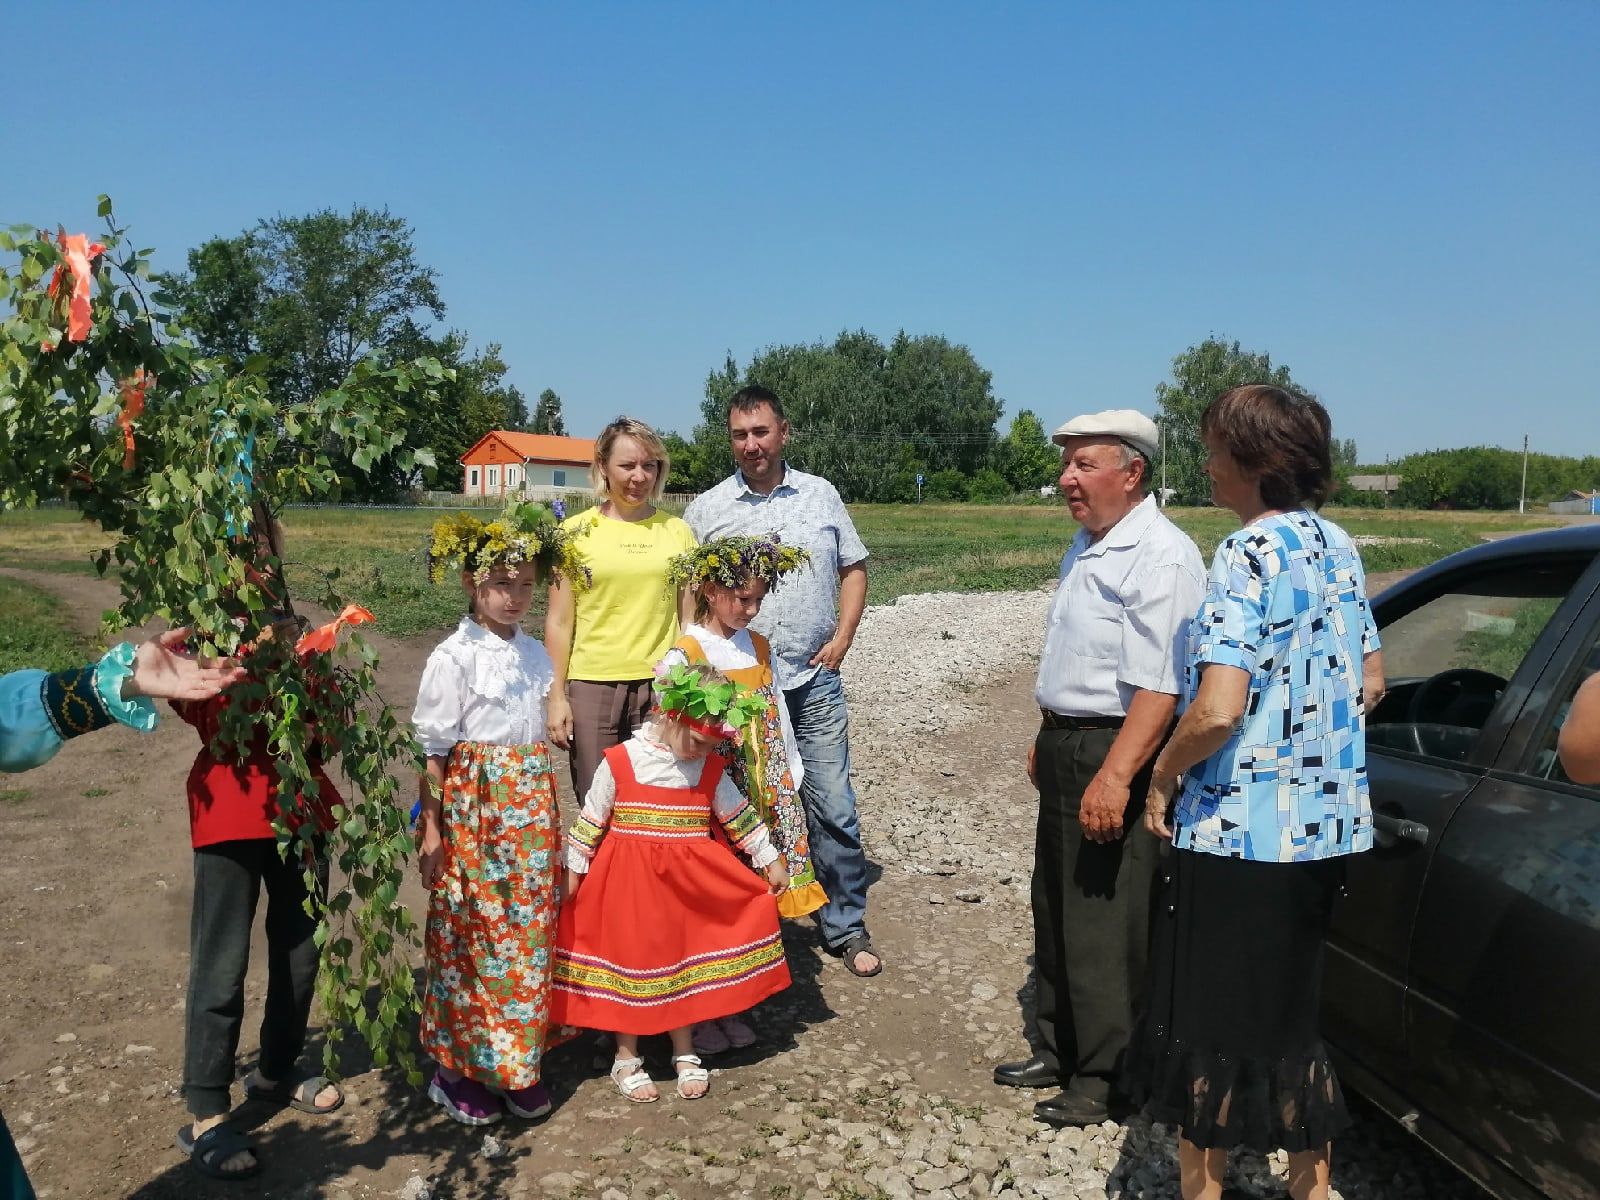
(861, 1088)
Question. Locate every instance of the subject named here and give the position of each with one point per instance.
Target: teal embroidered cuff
(71, 703)
(115, 669)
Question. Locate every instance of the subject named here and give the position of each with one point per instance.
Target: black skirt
(1228, 1047)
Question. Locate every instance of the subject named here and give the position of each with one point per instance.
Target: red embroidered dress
(669, 928)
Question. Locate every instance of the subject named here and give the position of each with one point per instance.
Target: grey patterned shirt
(801, 615)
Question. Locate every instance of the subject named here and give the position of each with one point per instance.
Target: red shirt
(231, 802)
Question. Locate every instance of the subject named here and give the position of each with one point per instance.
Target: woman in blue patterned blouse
(1283, 666)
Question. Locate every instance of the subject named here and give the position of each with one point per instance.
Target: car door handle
(1399, 827)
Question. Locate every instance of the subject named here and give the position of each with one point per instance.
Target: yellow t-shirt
(628, 620)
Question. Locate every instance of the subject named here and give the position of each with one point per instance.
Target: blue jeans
(822, 731)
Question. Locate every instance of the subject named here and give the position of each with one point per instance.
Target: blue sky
(1399, 201)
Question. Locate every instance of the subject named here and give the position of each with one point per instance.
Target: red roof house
(502, 462)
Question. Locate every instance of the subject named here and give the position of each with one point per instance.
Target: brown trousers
(603, 714)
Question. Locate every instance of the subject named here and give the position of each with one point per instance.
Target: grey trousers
(228, 878)
(1091, 916)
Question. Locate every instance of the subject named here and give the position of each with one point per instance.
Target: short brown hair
(1282, 438)
(752, 397)
(646, 437)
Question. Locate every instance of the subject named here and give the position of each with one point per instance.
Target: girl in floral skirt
(488, 834)
(729, 577)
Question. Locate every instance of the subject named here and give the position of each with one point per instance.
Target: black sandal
(298, 1094)
(859, 944)
(216, 1146)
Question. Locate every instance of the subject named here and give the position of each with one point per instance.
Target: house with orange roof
(503, 463)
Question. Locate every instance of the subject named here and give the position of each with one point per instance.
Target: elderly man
(810, 621)
(1107, 692)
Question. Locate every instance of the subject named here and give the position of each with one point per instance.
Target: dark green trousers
(1091, 916)
(13, 1179)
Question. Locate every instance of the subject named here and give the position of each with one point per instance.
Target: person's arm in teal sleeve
(39, 710)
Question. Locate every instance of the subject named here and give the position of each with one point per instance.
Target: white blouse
(738, 653)
(657, 766)
(480, 687)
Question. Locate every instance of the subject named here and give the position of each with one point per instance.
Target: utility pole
(1522, 500)
(1161, 429)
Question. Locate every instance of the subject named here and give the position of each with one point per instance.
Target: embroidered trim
(742, 825)
(72, 703)
(587, 975)
(669, 820)
(586, 835)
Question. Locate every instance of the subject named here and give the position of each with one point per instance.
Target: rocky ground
(860, 1088)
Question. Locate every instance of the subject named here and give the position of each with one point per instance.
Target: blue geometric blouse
(1287, 602)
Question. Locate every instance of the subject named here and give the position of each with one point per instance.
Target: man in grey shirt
(810, 621)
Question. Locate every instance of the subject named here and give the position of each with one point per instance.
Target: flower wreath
(525, 532)
(736, 560)
(717, 709)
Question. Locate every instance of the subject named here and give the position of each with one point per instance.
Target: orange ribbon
(80, 254)
(133, 389)
(323, 638)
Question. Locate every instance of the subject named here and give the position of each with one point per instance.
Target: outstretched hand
(164, 670)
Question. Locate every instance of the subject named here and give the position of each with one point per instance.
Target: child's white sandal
(630, 1077)
(695, 1073)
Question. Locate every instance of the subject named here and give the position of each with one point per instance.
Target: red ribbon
(323, 637)
(133, 390)
(718, 729)
(80, 254)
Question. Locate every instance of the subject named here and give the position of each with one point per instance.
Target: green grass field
(33, 633)
(928, 548)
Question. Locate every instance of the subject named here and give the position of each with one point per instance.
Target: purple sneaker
(529, 1103)
(466, 1100)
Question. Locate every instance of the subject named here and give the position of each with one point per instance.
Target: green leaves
(181, 489)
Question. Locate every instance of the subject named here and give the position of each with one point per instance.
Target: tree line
(303, 299)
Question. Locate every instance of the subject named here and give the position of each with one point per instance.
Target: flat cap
(1125, 424)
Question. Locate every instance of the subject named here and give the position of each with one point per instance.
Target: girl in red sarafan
(662, 927)
(232, 804)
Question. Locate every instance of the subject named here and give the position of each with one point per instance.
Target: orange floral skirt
(490, 936)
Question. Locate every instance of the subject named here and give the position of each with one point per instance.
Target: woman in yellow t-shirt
(606, 640)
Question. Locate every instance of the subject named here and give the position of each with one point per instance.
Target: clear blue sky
(1399, 201)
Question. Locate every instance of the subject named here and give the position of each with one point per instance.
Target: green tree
(475, 400)
(1199, 375)
(1028, 459)
(989, 485)
(857, 406)
(312, 296)
(945, 486)
(547, 416)
(182, 457)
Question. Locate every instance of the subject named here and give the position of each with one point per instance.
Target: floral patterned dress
(768, 774)
(490, 933)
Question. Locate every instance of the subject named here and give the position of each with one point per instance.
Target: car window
(1448, 661)
(1546, 763)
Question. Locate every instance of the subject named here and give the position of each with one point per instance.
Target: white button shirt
(1120, 616)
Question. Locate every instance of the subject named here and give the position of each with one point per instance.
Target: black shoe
(1069, 1108)
(1035, 1073)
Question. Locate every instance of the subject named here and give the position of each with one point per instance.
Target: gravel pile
(918, 748)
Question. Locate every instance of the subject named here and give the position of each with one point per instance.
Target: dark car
(1462, 992)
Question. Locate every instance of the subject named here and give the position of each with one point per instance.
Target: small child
(662, 927)
(730, 577)
(488, 834)
(231, 809)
